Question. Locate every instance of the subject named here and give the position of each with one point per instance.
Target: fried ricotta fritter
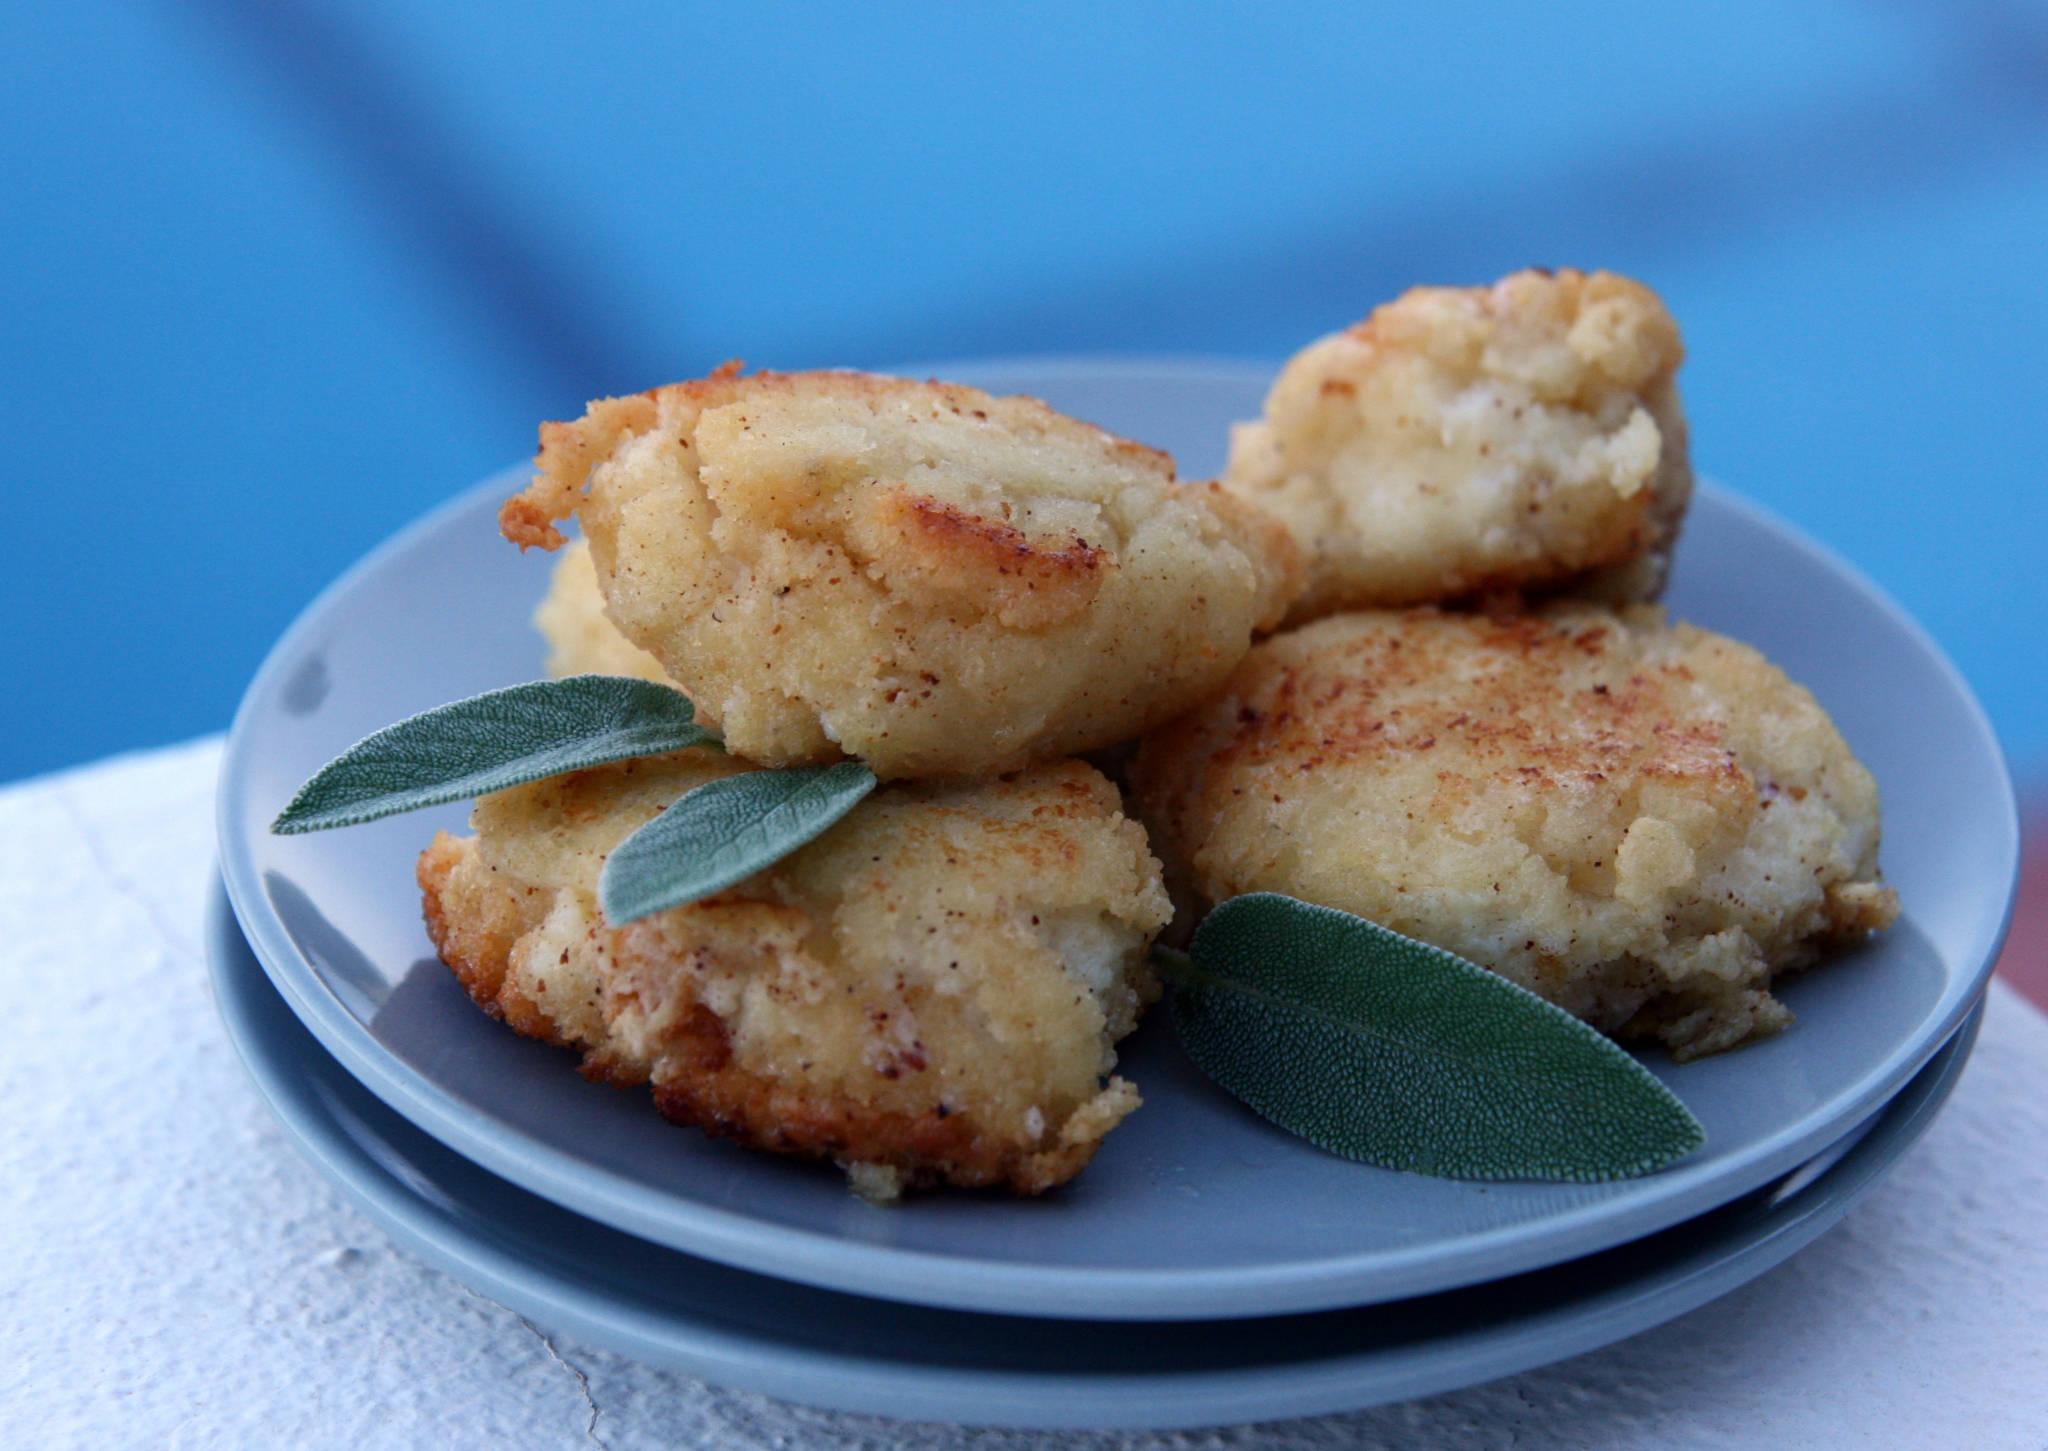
(1641, 822)
(581, 640)
(919, 575)
(1520, 437)
(925, 994)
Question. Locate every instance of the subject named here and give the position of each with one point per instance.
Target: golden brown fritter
(1641, 822)
(927, 993)
(1524, 436)
(928, 578)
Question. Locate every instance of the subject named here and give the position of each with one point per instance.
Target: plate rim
(1804, 1208)
(924, 1277)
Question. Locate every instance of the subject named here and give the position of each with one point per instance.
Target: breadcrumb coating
(925, 994)
(1521, 437)
(933, 580)
(1641, 822)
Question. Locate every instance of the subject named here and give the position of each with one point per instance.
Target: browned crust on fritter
(920, 575)
(478, 946)
(701, 1086)
(938, 1146)
(1643, 823)
(568, 451)
(1317, 719)
(985, 564)
(888, 996)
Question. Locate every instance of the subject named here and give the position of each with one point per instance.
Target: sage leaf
(1380, 1048)
(723, 832)
(491, 741)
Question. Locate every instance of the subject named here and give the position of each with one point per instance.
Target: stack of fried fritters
(1641, 822)
(961, 591)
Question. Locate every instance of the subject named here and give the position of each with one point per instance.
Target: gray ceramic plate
(734, 1328)
(1194, 1207)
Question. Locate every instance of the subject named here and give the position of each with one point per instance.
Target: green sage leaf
(724, 832)
(1380, 1048)
(491, 741)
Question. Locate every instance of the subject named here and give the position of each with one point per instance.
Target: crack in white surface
(166, 930)
(582, 1380)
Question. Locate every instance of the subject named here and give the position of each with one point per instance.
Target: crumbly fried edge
(1690, 762)
(1355, 437)
(638, 1003)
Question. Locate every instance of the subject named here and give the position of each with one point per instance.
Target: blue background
(280, 276)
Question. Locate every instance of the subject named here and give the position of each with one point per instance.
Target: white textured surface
(173, 1274)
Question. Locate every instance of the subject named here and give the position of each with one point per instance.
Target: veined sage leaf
(491, 741)
(723, 832)
(1380, 1048)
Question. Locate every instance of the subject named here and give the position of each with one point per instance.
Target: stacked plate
(1206, 1268)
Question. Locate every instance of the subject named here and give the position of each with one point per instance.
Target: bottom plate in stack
(731, 1327)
